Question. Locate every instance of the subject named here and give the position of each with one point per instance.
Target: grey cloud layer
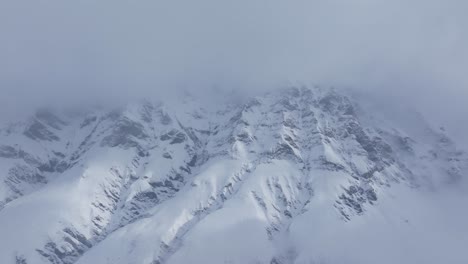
(70, 51)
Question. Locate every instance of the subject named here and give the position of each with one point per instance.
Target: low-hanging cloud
(73, 51)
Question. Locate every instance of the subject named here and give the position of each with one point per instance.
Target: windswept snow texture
(300, 175)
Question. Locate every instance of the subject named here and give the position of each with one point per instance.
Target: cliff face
(302, 175)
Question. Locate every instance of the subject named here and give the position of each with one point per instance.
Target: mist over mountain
(55, 52)
(233, 132)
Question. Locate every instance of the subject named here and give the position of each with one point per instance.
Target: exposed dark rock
(37, 131)
(404, 143)
(290, 123)
(8, 152)
(77, 236)
(349, 110)
(147, 197)
(76, 245)
(50, 119)
(252, 103)
(125, 133)
(49, 167)
(243, 137)
(329, 102)
(175, 176)
(147, 112)
(288, 104)
(290, 141)
(175, 136)
(164, 118)
(352, 203)
(331, 166)
(283, 151)
(20, 174)
(354, 198)
(142, 153)
(193, 161)
(238, 119)
(377, 149)
(20, 260)
(59, 154)
(88, 121)
(371, 195)
(114, 115)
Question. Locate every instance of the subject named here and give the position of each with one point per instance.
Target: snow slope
(299, 175)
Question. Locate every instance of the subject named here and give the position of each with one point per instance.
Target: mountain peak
(143, 183)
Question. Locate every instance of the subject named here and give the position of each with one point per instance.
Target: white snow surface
(299, 175)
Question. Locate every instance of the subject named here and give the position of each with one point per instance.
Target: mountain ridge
(143, 183)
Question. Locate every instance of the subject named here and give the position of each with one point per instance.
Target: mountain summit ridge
(247, 182)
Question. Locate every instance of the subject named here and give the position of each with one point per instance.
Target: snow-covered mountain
(300, 175)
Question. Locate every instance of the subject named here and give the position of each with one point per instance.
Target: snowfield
(299, 175)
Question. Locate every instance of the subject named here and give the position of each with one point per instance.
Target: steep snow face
(301, 175)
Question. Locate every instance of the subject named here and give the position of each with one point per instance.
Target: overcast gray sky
(74, 51)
